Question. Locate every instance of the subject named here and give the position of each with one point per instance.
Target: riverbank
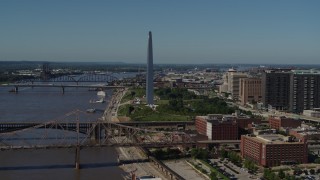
(139, 166)
(46, 105)
(130, 153)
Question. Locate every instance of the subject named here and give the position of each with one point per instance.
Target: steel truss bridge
(108, 80)
(91, 77)
(66, 133)
(62, 86)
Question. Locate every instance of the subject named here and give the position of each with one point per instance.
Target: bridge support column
(77, 158)
(93, 133)
(118, 160)
(16, 89)
(62, 89)
(96, 133)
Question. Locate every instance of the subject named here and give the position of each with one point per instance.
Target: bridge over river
(85, 80)
(62, 86)
(77, 134)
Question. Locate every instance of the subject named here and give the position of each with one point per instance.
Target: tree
(297, 171)
(224, 153)
(234, 158)
(199, 153)
(159, 153)
(194, 152)
(176, 104)
(282, 133)
(317, 160)
(289, 177)
(133, 93)
(250, 165)
(131, 108)
(213, 176)
(312, 171)
(267, 173)
(281, 174)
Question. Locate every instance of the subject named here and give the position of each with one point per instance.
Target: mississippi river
(47, 104)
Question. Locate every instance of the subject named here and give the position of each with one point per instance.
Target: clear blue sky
(184, 31)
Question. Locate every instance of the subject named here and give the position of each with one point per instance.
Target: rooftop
(273, 139)
(218, 118)
(311, 71)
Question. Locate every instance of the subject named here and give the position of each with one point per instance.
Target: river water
(49, 104)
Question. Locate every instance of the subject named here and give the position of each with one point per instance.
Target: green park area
(171, 104)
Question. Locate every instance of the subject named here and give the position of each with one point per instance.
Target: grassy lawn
(175, 105)
(162, 102)
(144, 113)
(192, 100)
(162, 117)
(123, 110)
(132, 93)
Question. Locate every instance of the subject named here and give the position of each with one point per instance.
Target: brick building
(201, 124)
(250, 90)
(276, 122)
(305, 133)
(273, 150)
(217, 127)
(244, 121)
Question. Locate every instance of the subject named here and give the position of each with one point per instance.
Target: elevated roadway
(62, 86)
(83, 126)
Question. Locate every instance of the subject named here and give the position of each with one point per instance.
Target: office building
(276, 88)
(305, 90)
(244, 122)
(217, 127)
(315, 112)
(305, 133)
(270, 150)
(277, 122)
(234, 82)
(223, 88)
(250, 90)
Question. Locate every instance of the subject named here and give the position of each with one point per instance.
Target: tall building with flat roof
(270, 150)
(217, 126)
(149, 86)
(234, 82)
(276, 88)
(223, 88)
(305, 90)
(250, 90)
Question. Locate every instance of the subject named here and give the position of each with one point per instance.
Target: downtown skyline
(280, 32)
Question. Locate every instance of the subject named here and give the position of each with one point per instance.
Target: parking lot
(232, 171)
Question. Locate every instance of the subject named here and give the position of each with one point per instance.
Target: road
(130, 153)
(277, 113)
(184, 169)
(140, 169)
(112, 107)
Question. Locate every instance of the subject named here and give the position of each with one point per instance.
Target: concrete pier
(77, 158)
